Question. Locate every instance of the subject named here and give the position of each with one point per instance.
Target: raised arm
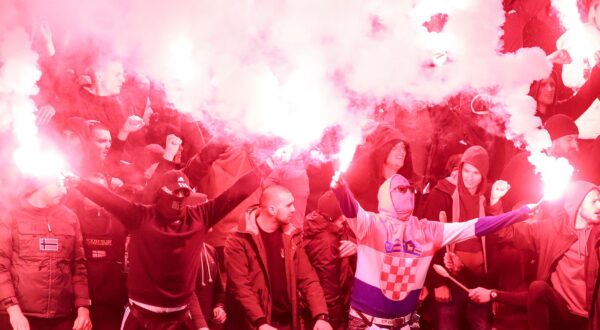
(131, 214)
(358, 219)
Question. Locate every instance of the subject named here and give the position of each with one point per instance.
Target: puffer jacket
(248, 293)
(42, 263)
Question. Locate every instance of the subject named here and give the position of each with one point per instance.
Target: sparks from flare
(347, 149)
(555, 172)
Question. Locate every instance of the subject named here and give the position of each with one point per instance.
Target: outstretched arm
(461, 231)
(129, 213)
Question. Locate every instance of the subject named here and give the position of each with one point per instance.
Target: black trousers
(546, 309)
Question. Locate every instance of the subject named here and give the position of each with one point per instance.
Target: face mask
(169, 206)
(403, 198)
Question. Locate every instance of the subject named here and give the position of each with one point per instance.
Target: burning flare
(347, 149)
(556, 173)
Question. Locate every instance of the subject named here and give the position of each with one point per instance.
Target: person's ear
(272, 210)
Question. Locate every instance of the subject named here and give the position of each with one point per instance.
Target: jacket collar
(248, 223)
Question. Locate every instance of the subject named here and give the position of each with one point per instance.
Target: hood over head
(396, 197)
(478, 157)
(382, 142)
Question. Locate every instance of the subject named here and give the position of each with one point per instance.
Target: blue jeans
(461, 310)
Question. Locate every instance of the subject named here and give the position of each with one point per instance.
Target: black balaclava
(170, 206)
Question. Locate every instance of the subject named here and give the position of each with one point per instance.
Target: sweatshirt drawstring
(210, 279)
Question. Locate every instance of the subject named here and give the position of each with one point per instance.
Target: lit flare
(555, 172)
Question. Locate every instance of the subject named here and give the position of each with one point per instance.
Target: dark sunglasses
(404, 189)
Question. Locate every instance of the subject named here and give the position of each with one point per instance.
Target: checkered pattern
(398, 276)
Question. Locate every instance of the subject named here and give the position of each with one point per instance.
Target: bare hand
(82, 322)
(452, 262)
(347, 248)
(280, 156)
(219, 315)
(69, 180)
(424, 293)
(322, 325)
(44, 114)
(561, 56)
(480, 295)
(442, 294)
(499, 190)
(172, 146)
(17, 319)
(133, 124)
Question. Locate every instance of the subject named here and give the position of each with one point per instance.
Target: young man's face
(590, 207)
(471, 176)
(101, 142)
(285, 208)
(53, 192)
(397, 155)
(547, 90)
(110, 78)
(565, 146)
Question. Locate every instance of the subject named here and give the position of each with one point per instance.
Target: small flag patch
(49, 244)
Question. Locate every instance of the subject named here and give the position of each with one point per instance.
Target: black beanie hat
(328, 206)
(560, 125)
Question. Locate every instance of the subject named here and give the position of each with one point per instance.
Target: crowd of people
(165, 225)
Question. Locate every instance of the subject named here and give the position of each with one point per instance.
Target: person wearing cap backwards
(163, 251)
(462, 200)
(395, 250)
(43, 278)
(565, 292)
(520, 173)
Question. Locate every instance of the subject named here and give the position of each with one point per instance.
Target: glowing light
(571, 21)
(556, 173)
(181, 60)
(347, 149)
(41, 164)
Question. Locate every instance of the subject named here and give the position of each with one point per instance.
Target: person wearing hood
(268, 269)
(544, 92)
(163, 250)
(331, 248)
(564, 294)
(462, 200)
(395, 250)
(385, 153)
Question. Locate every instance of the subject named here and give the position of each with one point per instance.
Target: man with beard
(267, 268)
(520, 173)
